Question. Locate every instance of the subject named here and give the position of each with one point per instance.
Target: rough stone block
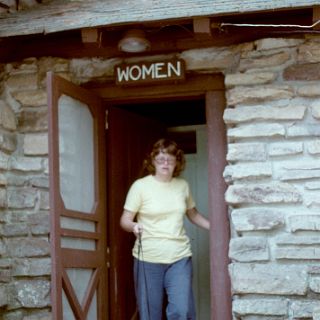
(20, 198)
(88, 69)
(31, 98)
(276, 43)
(5, 276)
(3, 198)
(14, 230)
(302, 72)
(285, 148)
(4, 161)
(246, 152)
(210, 59)
(301, 130)
(245, 171)
(312, 199)
(313, 185)
(34, 267)
(33, 293)
(303, 309)
(305, 222)
(314, 284)
(297, 253)
(26, 164)
(40, 315)
(311, 90)
(44, 200)
(249, 278)
(309, 52)
(28, 65)
(262, 193)
(35, 144)
(258, 218)
(298, 170)
(249, 249)
(20, 82)
(3, 296)
(264, 61)
(8, 141)
(315, 109)
(251, 95)
(7, 117)
(263, 307)
(33, 120)
(28, 247)
(39, 223)
(257, 130)
(257, 113)
(243, 79)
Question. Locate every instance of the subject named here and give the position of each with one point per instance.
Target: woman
(154, 211)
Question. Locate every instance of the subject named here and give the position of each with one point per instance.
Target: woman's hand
(127, 223)
(198, 219)
(137, 229)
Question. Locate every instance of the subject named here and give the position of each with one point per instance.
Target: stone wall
(272, 116)
(273, 129)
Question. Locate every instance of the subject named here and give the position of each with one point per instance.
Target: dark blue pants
(152, 280)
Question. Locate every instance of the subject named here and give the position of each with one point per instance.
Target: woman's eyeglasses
(165, 160)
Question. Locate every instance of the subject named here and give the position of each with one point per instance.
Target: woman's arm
(198, 219)
(128, 224)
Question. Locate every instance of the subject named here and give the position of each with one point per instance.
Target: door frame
(211, 88)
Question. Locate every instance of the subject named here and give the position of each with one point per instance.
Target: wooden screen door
(77, 202)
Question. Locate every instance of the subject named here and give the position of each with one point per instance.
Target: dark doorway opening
(174, 113)
(171, 113)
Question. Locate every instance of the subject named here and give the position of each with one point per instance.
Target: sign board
(150, 72)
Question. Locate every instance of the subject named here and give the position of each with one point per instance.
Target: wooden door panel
(77, 165)
(130, 137)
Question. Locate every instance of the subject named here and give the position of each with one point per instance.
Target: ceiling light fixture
(134, 40)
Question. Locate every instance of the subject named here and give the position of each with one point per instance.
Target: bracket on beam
(90, 36)
(202, 26)
(316, 16)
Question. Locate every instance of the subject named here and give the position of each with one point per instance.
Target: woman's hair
(169, 147)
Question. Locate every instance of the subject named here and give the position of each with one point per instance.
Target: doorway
(135, 127)
(108, 293)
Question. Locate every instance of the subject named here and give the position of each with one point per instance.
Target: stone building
(252, 80)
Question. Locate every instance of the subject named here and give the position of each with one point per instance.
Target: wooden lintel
(202, 26)
(316, 17)
(90, 35)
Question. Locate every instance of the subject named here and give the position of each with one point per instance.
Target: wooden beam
(61, 15)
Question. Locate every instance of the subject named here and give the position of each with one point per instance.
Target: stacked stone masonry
(273, 131)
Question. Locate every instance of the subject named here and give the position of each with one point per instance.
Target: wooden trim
(212, 88)
(194, 86)
(221, 306)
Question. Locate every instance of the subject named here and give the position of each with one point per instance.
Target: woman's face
(164, 164)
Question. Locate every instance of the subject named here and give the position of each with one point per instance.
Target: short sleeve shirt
(160, 207)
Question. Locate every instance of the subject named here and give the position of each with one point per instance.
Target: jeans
(153, 280)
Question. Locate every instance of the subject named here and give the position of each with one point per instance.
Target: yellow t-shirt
(160, 208)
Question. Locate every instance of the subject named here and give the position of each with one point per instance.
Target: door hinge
(107, 120)
(108, 257)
